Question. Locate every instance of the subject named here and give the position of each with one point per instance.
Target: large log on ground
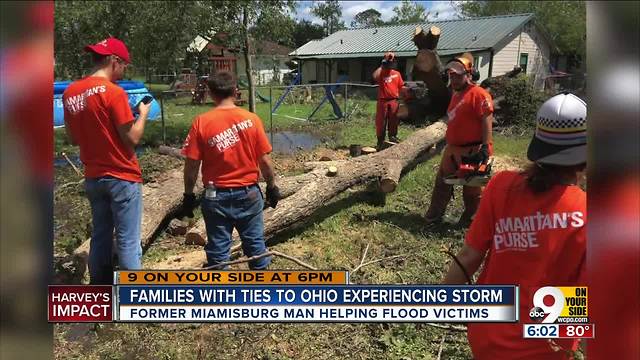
(388, 165)
(287, 185)
(160, 200)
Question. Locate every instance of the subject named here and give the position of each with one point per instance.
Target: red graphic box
(76, 303)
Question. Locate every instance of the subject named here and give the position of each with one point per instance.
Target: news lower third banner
(275, 296)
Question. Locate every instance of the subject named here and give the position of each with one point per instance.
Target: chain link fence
(289, 113)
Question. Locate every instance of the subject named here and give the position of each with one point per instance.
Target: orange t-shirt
(465, 112)
(229, 142)
(389, 84)
(94, 108)
(533, 240)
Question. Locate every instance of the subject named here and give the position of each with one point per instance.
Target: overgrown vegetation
(520, 102)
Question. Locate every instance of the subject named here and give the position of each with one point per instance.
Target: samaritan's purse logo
(560, 305)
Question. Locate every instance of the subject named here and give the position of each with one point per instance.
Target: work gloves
(480, 157)
(189, 203)
(273, 196)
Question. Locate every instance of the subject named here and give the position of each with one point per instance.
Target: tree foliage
(409, 12)
(156, 32)
(276, 26)
(367, 18)
(304, 31)
(241, 16)
(564, 21)
(330, 12)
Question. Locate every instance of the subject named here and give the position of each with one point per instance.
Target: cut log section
(171, 151)
(387, 165)
(367, 150)
(426, 40)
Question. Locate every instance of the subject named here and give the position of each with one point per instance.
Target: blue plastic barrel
(135, 89)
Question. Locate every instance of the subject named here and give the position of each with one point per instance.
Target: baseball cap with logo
(561, 132)
(110, 46)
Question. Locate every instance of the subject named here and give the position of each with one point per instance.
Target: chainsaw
(471, 173)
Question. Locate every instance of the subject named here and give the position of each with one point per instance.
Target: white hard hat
(561, 132)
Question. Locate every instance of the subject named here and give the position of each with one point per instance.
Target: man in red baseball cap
(110, 46)
(98, 118)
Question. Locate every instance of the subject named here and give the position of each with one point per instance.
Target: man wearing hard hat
(469, 127)
(389, 85)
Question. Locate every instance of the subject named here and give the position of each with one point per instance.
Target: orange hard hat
(461, 64)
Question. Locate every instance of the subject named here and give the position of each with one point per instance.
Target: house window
(524, 59)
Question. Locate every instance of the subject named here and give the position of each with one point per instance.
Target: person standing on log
(98, 118)
(233, 148)
(530, 230)
(469, 130)
(390, 84)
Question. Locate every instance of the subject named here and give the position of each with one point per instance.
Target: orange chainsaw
(471, 172)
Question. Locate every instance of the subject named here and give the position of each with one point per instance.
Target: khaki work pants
(442, 193)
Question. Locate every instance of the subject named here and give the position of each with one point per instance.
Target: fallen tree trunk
(388, 165)
(288, 185)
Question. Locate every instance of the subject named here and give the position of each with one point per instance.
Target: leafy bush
(520, 101)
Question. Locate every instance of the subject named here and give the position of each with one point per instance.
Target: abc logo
(547, 312)
(536, 314)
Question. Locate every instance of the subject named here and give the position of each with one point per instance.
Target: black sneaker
(394, 139)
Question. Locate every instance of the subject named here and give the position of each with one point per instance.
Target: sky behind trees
(445, 9)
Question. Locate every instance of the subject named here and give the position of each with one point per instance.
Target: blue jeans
(241, 209)
(115, 204)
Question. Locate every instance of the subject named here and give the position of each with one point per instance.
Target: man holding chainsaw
(530, 230)
(469, 142)
(389, 85)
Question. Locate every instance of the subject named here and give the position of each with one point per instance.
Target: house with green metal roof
(498, 44)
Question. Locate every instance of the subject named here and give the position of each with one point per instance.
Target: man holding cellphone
(98, 119)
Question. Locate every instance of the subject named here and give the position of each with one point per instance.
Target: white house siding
(484, 62)
(263, 68)
(532, 43)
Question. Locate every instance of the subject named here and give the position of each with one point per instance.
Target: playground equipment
(262, 98)
(135, 91)
(329, 90)
(295, 82)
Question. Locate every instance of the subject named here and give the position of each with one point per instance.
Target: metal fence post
(271, 113)
(346, 100)
(164, 132)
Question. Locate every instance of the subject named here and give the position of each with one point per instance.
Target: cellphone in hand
(147, 99)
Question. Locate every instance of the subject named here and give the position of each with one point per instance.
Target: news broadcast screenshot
(320, 180)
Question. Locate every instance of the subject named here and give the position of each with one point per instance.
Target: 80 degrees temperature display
(559, 331)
